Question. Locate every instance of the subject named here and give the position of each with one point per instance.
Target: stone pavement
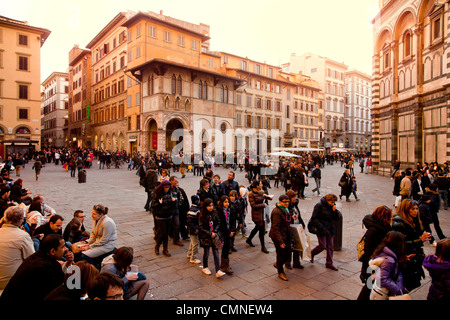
(254, 275)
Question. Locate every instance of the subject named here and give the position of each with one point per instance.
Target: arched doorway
(174, 127)
(152, 135)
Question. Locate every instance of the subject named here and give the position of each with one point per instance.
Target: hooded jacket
(388, 275)
(440, 278)
(375, 233)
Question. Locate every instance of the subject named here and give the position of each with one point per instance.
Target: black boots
(225, 266)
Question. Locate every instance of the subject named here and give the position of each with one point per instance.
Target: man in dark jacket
(443, 184)
(5, 203)
(180, 216)
(230, 184)
(150, 182)
(217, 189)
(322, 218)
(40, 273)
(54, 226)
(317, 175)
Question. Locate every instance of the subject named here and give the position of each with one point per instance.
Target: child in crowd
(386, 261)
(243, 199)
(354, 188)
(192, 225)
(208, 235)
(438, 265)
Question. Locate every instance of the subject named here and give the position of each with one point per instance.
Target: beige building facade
(20, 91)
(109, 87)
(54, 110)
(186, 103)
(79, 113)
(264, 104)
(411, 83)
(330, 75)
(358, 102)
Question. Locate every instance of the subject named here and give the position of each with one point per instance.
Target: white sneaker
(196, 261)
(206, 271)
(220, 273)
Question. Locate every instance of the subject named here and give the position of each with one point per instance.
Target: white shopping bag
(306, 244)
(398, 200)
(301, 241)
(295, 231)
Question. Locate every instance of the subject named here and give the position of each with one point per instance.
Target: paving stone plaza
(254, 278)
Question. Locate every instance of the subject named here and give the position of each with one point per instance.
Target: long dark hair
(123, 258)
(395, 241)
(204, 211)
(222, 200)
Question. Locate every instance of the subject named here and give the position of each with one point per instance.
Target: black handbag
(312, 226)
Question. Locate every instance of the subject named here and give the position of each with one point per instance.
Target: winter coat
(316, 173)
(414, 245)
(227, 221)
(346, 187)
(397, 181)
(237, 211)
(205, 222)
(280, 228)
(322, 218)
(425, 213)
(192, 219)
(205, 194)
(375, 233)
(293, 209)
(230, 185)
(257, 203)
(435, 200)
(217, 191)
(166, 209)
(440, 278)
(387, 275)
(150, 180)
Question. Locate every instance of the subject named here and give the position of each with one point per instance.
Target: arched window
(174, 85)
(205, 90)
(200, 89)
(407, 44)
(150, 85)
(23, 130)
(179, 85)
(226, 95)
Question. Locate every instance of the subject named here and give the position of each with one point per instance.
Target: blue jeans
(317, 180)
(206, 257)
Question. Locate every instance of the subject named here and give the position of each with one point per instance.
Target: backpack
(360, 247)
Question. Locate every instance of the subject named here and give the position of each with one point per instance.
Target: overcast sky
(262, 30)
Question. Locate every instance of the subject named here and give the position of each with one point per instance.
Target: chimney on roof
(160, 12)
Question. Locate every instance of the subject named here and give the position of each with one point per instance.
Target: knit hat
(243, 192)
(195, 199)
(165, 183)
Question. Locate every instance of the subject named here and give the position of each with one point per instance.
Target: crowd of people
(38, 256)
(40, 259)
